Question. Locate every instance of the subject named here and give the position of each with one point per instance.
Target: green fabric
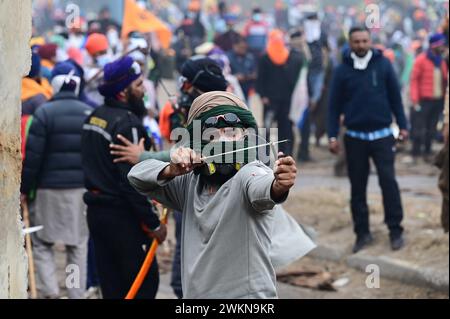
(163, 156)
(28, 125)
(247, 121)
(32, 194)
(406, 75)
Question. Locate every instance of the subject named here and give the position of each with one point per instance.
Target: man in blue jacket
(366, 93)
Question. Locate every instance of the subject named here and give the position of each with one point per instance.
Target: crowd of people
(96, 143)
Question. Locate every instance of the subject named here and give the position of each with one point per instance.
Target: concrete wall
(15, 57)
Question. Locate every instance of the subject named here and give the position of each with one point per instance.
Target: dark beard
(137, 105)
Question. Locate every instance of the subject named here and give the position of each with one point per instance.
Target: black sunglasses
(229, 118)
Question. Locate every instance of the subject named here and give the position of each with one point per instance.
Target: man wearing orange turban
(97, 47)
(278, 74)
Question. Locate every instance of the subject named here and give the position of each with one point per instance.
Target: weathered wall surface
(15, 57)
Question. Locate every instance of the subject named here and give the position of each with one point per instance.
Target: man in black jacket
(53, 166)
(122, 222)
(278, 73)
(366, 92)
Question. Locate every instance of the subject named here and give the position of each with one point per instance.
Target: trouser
(340, 166)
(46, 269)
(424, 125)
(246, 88)
(382, 152)
(120, 249)
(305, 134)
(279, 111)
(319, 119)
(92, 275)
(443, 185)
(175, 282)
(315, 82)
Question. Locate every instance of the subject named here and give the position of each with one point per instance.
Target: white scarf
(361, 63)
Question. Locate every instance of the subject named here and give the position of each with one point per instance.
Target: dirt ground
(327, 209)
(355, 288)
(322, 201)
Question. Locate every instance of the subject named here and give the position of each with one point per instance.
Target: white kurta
(228, 236)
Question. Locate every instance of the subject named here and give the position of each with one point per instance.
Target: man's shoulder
(255, 168)
(65, 105)
(341, 68)
(110, 112)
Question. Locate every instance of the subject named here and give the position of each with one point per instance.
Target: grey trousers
(74, 279)
(62, 212)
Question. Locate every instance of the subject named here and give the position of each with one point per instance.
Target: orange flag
(138, 19)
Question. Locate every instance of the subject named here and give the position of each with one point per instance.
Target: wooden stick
(147, 263)
(32, 278)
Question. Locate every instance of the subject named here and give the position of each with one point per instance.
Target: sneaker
(362, 242)
(93, 293)
(304, 159)
(397, 243)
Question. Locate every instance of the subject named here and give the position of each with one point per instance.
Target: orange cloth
(164, 120)
(96, 43)
(47, 64)
(138, 19)
(76, 55)
(276, 49)
(31, 88)
(39, 41)
(194, 6)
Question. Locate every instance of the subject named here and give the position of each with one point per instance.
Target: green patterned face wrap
(247, 121)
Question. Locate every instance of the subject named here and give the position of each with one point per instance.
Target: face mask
(113, 37)
(61, 55)
(221, 27)
(222, 174)
(313, 30)
(185, 101)
(103, 60)
(257, 17)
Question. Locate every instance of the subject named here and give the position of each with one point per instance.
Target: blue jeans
(315, 81)
(315, 84)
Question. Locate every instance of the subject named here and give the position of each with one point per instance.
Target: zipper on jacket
(374, 78)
